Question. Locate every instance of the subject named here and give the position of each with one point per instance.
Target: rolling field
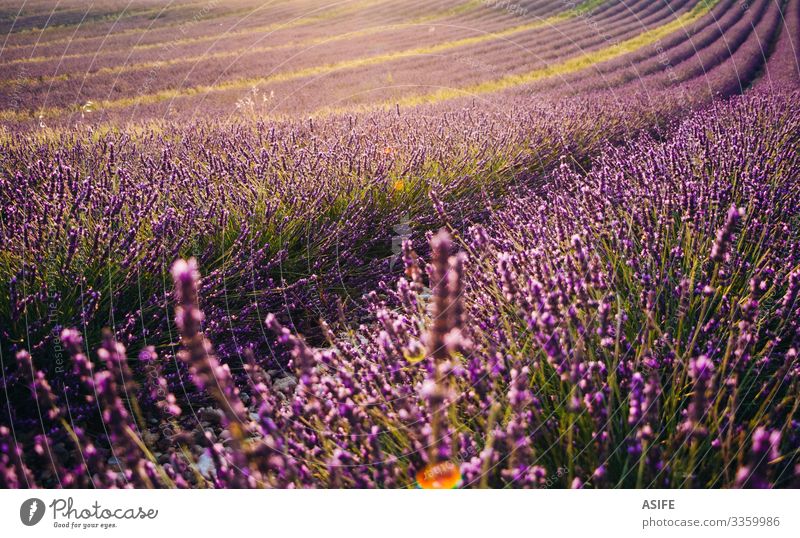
(380, 244)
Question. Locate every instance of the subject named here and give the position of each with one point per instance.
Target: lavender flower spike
(725, 234)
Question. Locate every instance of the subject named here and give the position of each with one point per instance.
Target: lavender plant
(633, 325)
(599, 286)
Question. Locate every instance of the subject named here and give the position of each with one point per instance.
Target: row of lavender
(718, 55)
(636, 325)
(43, 88)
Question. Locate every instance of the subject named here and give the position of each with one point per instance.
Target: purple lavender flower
(722, 243)
(764, 450)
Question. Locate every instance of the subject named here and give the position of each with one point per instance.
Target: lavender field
(384, 244)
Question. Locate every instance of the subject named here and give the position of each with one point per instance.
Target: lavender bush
(634, 325)
(596, 286)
